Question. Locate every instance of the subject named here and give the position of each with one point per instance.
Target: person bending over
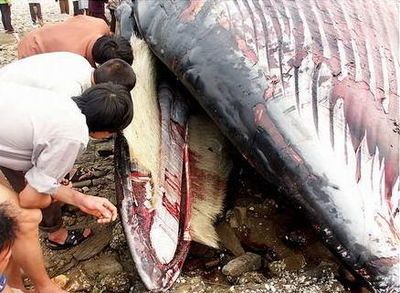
(76, 75)
(66, 73)
(83, 35)
(41, 136)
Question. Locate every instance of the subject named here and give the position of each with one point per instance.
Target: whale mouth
(156, 215)
(168, 145)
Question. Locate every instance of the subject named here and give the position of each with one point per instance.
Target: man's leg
(15, 178)
(76, 7)
(26, 250)
(2, 15)
(52, 218)
(62, 6)
(52, 222)
(66, 3)
(52, 215)
(7, 18)
(32, 12)
(39, 13)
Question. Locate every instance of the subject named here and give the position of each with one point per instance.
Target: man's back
(62, 72)
(76, 35)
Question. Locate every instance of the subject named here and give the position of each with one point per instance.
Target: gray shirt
(41, 133)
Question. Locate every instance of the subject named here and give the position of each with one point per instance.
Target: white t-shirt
(62, 72)
(41, 133)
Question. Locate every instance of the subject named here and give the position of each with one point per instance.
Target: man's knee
(9, 196)
(28, 220)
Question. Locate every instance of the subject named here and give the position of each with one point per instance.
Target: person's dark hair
(116, 71)
(107, 107)
(110, 47)
(8, 226)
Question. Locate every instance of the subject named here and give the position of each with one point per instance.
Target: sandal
(74, 238)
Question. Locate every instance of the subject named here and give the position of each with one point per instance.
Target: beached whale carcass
(308, 92)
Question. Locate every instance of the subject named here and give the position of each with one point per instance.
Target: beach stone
(61, 280)
(104, 265)
(245, 263)
(85, 189)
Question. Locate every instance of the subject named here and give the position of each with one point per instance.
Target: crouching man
(69, 75)
(41, 136)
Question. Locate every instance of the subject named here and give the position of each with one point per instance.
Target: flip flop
(74, 238)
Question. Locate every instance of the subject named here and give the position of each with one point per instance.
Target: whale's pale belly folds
(308, 91)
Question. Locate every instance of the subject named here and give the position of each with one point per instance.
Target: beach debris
(242, 264)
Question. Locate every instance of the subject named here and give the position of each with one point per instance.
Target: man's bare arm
(99, 207)
(30, 198)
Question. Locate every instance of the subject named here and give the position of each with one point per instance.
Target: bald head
(116, 71)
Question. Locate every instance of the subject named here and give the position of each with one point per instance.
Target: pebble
(61, 280)
(85, 189)
(242, 264)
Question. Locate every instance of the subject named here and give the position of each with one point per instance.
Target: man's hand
(99, 207)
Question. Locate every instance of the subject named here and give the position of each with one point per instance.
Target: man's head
(116, 71)
(8, 228)
(110, 47)
(108, 108)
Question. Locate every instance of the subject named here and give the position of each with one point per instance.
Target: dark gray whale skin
(308, 92)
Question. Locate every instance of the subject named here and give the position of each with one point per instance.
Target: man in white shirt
(66, 73)
(41, 135)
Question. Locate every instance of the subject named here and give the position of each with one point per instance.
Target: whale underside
(308, 92)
